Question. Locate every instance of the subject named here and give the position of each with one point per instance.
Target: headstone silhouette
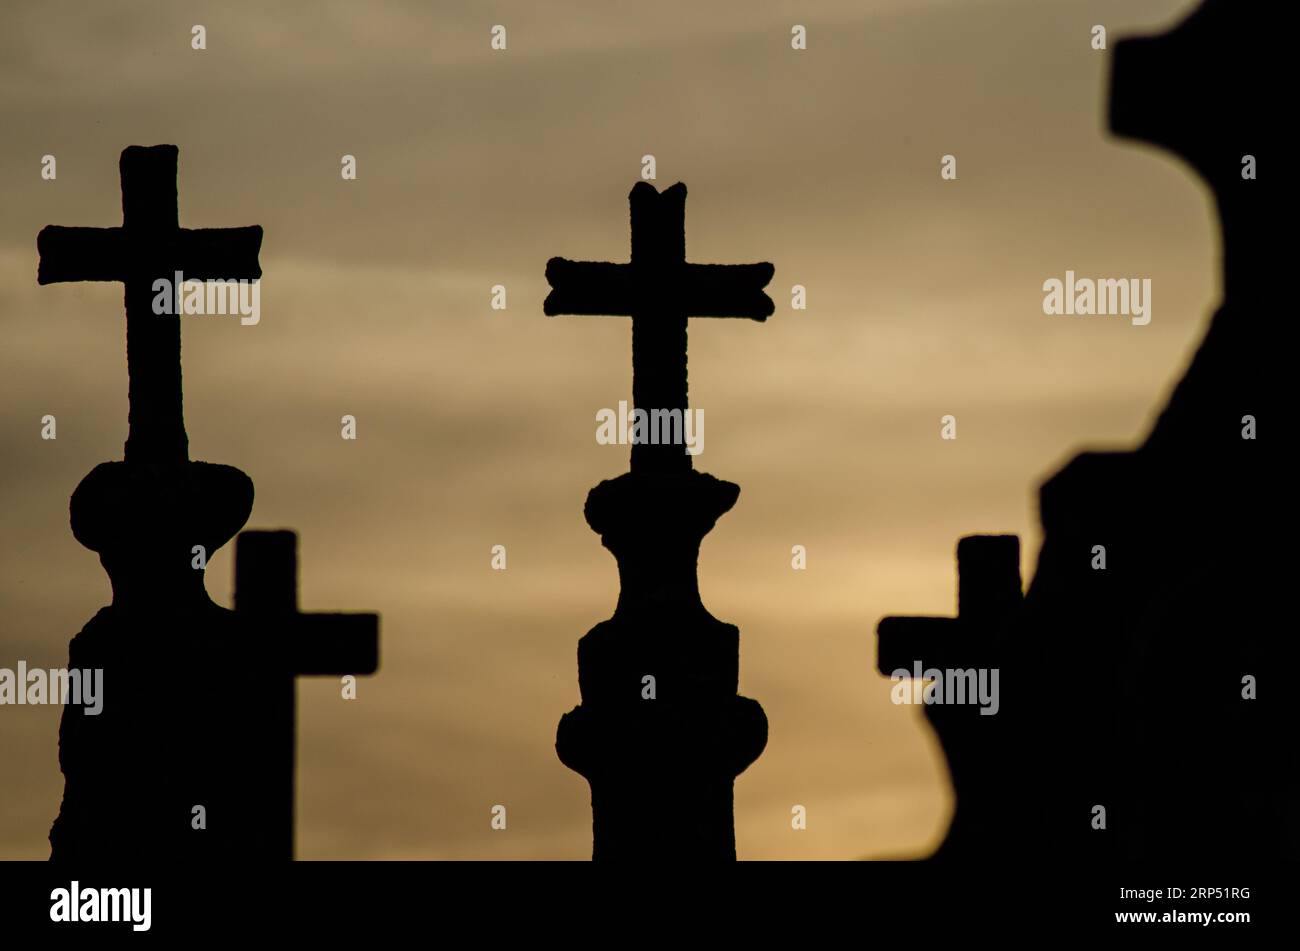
(1125, 686)
(661, 755)
(294, 645)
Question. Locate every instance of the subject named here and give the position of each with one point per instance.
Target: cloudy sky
(476, 427)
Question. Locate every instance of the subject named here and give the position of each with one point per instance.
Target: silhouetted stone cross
(690, 738)
(150, 245)
(659, 290)
(266, 597)
(988, 597)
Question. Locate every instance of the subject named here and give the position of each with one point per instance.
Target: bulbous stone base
(180, 691)
(661, 733)
(131, 505)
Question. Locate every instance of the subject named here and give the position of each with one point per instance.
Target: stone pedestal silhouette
(661, 765)
(661, 733)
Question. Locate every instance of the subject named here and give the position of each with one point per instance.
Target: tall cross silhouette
(659, 290)
(690, 737)
(150, 245)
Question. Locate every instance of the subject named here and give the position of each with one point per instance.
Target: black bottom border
(857, 900)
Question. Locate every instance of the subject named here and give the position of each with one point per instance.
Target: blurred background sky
(476, 427)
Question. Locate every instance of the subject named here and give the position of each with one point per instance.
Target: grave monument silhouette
(661, 733)
(185, 761)
(1154, 687)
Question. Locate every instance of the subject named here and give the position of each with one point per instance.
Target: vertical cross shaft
(266, 589)
(153, 341)
(658, 322)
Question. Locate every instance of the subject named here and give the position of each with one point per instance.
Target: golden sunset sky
(476, 427)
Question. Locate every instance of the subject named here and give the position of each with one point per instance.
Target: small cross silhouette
(266, 600)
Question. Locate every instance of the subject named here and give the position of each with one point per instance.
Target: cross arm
(727, 290)
(589, 288)
(943, 642)
(331, 644)
(206, 254)
(593, 288)
(80, 254)
(110, 254)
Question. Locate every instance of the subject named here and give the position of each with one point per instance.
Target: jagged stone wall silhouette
(1123, 687)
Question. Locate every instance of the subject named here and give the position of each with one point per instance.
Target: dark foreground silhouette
(1126, 687)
